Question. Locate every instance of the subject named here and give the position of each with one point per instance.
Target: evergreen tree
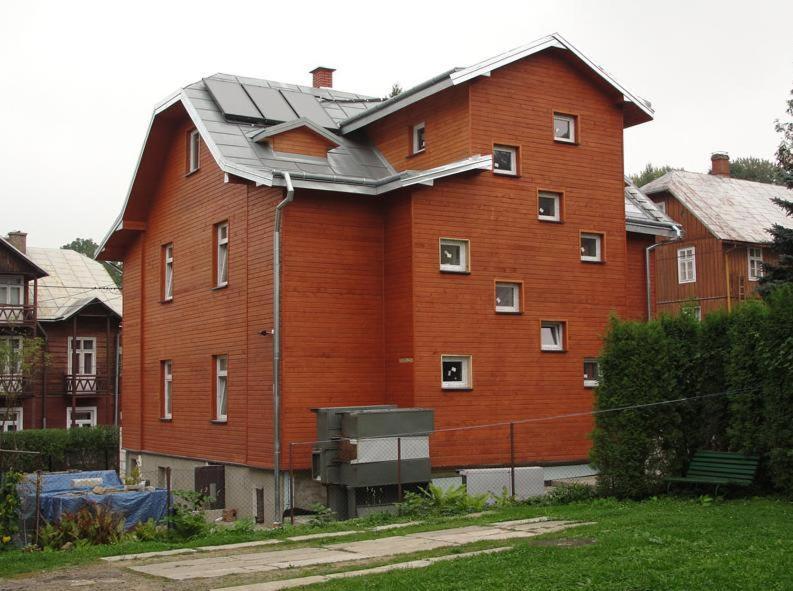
(759, 170)
(650, 173)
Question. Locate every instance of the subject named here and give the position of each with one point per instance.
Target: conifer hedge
(747, 353)
(60, 449)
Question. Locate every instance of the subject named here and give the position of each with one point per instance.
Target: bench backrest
(722, 464)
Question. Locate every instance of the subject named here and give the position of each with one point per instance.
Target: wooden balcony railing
(15, 386)
(17, 314)
(86, 385)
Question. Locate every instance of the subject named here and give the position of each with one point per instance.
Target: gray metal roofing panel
(732, 209)
(232, 99)
(642, 215)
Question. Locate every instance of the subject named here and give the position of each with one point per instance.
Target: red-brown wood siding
(301, 141)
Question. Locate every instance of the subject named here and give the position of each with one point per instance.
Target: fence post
(512, 458)
(291, 487)
(38, 505)
(168, 496)
(399, 469)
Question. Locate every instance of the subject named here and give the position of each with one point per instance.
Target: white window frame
(415, 138)
(557, 197)
(18, 422)
(573, 131)
(515, 286)
(90, 422)
(685, 256)
(167, 290)
(17, 368)
(598, 258)
(9, 284)
(557, 327)
(467, 382)
(753, 257)
(194, 158)
(513, 160)
(81, 355)
(464, 245)
(221, 377)
(222, 255)
(590, 382)
(167, 389)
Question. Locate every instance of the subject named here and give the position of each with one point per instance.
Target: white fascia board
(485, 67)
(477, 162)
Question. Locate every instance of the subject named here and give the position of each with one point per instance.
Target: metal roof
(732, 209)
(643, 216)
(69, 286)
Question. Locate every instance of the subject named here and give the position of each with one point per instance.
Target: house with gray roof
(66, 307)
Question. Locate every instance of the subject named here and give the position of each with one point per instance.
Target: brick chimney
(720, 164)
(18, 240)
(323, 77)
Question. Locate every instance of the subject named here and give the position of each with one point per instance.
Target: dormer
(300, 136)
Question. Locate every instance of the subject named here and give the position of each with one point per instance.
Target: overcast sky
(79, 79)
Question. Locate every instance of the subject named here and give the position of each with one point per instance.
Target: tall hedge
(60, 449)
(747, 354)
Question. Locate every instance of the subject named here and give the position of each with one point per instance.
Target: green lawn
(666, 544)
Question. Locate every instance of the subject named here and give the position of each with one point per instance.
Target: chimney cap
(720, 155)
(322, 69)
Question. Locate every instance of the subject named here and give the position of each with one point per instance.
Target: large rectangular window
(167, 389)
(11, 290)
(222, 254)
(167, 277)
(686, 265)
(755, 263)
(456, 372)
(221, 387)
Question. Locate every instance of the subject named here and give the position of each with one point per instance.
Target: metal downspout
(647, 279)
(290, 195)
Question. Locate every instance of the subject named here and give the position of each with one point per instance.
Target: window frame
(193, 151)
(166, 367)
(81, 355)
(559, 197)
(562, 326)
(754, 259)
(414, 138)
(600, 249)
(15, 283)
(217, 375)
(589, 382)
(91, 422)
(681, 262)
(219, 244)
(465, 256)
(661, 205)
(573, 119)
(517, 287)
(16, 370)
(513, 151)
(467, 371)
(18, 422)
(167, 272)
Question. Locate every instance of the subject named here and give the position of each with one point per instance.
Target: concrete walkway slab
(144, 555)
(395, 525)
(389, 546)
(237, 546)
(332, 534)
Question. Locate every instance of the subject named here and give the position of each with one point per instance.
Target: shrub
(61, 449)
(322, 515)
(93, 524)
(186, 520)
(436, 501)
(9, 508)
(566, 493)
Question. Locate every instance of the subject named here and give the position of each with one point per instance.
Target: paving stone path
(345, 552)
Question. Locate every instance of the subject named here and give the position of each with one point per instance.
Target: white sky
(79, 79)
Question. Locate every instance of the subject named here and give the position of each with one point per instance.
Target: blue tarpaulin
(59, 495)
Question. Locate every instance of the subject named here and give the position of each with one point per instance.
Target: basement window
(507, 297)
(456, 372)
(564, 128)
(418, 141)
(505, 160)
(592, 248)
(552, 336)
(453, 255)
(194, 146)
(549, 206)
(591, 373)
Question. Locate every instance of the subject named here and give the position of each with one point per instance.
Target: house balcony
(17, 315)
(87, 385)
(14, 386)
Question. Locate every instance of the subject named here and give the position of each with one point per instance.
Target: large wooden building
(67, 308)
(725, 223)
(457, 247)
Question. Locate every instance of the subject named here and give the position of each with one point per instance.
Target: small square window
(419, 143)
(505, 160)
(456, 372)
(592, 248)
(591, 373)
(193, 151)
(507, 297)
(454, 255)
(564, 128)
(552, 336)
(661, 205)
(549, 206)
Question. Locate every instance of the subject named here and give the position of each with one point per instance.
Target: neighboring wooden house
(725, 223)
(458, 247)
(63, 298)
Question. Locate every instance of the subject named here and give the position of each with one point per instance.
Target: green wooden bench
(718, 468)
